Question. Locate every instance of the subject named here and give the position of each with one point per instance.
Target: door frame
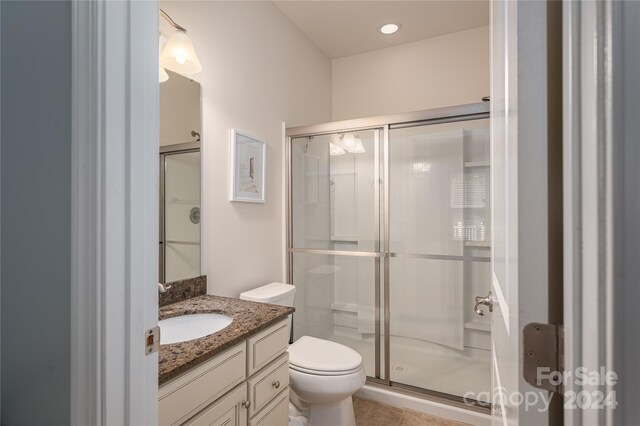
(601, 235)
(114, 296)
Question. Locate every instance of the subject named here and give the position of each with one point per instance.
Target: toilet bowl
(322, 374)
(325, 375)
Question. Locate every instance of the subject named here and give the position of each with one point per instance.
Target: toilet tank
(275, 293)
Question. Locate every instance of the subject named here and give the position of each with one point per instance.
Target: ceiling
(344, 28)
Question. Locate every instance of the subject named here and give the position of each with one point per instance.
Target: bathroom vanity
(237, 376)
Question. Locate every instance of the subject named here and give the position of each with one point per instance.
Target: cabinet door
(276, 413)
(228, 411)
(266, 346)
(198, 388)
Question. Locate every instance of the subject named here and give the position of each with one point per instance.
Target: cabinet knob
(276, 384)
(246, 404)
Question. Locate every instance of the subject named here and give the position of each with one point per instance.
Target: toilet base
(333, 414)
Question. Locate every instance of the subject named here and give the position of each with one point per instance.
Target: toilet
(322, 373)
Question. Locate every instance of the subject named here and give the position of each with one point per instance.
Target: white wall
(258, 71)
(449, 70)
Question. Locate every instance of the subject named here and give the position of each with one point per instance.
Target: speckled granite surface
(183, 290)
(248, 319)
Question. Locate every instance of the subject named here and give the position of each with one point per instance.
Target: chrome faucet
(162, 288)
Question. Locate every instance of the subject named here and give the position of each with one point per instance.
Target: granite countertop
(248, 319)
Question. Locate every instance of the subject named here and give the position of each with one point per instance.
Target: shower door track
(381, 125)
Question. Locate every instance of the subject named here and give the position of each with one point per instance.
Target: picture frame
(248, 168)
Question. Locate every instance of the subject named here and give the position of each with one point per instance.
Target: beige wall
(258, 71)
(449, 70)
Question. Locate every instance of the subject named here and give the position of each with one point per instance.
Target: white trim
(502, 302)
(284, 201)
(499, 397)
(86, 282)
(584, 198)
(572, 201)
(601, 152)
(114, 211)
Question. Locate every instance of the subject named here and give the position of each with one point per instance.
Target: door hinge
(152, 340)
(543, 363)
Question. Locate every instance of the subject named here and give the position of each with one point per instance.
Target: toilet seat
(323, 357)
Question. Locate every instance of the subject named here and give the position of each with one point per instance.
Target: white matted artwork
(248, 164)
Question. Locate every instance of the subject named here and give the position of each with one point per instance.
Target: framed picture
(248, 164)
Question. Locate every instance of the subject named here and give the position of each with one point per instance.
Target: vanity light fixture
(336, 149)
(388, 29)
(358, 147)
(179, 54)
(163, 76)
(348, 142)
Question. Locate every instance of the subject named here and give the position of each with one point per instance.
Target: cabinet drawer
(189, 393)
(267, 383)
(266, 346)
(275, 413)
(228, 411)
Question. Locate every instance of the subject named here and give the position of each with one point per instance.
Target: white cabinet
(274, 414)
(265, 346)
(230, 410)
(245, 385)
(268, 383)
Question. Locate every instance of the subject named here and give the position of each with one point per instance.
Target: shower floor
(427, 366)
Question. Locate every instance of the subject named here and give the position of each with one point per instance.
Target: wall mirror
(180, 127)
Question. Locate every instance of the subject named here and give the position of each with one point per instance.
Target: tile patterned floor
(371, 413)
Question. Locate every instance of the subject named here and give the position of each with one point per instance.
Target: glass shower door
(180, 215)
(439, 256)
(334, 223)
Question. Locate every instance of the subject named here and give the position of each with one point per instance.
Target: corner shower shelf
(476, 164)
(483, 244)
(345, 307)
(476, 325)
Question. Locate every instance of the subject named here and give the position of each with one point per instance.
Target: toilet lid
(323, 357)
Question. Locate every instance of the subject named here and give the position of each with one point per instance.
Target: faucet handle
(162, 288)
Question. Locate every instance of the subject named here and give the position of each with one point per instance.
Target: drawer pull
(246, 404)
(276, 384)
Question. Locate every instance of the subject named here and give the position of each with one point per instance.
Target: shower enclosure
(389, 243)
(179, 212)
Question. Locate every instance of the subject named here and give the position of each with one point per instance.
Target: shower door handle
(486, 301)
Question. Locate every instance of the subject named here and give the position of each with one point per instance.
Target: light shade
(358, 146)
(163, 75)
(335, 149)
(348, 142)
(179, 55)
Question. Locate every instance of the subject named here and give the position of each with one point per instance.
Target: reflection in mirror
(333, 191)
(180, 126)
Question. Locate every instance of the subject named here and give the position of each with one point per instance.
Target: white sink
(189, 327)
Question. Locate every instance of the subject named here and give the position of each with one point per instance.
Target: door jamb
(114, 211)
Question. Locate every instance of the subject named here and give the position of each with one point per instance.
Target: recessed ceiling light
(389, 28)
